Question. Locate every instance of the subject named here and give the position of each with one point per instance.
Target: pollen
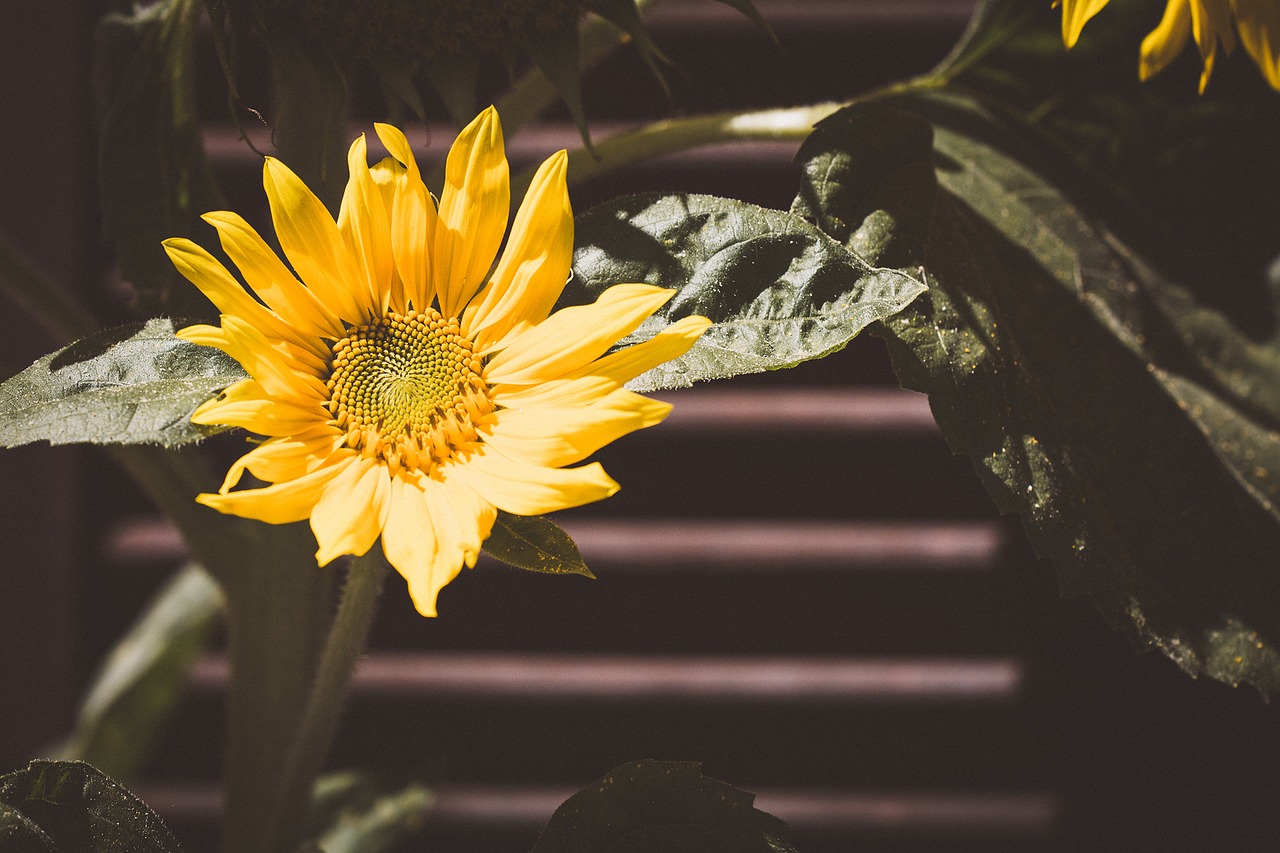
(408, 390)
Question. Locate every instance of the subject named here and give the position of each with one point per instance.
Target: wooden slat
(633, 678)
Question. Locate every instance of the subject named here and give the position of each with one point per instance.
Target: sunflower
(1212, 23)
(407, 386)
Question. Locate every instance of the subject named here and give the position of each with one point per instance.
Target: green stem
(342, 650)
(36, 292)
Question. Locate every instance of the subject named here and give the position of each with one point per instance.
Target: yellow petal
(246, 405)
(526, 489)
(409, 543)
(555, 436)
(313, 245)
(248, 346)
(387, 175)
(282, 503)
(573, 337)
(364, 223)
(1075, 14)
(473, 212)
(413, 221)
(534, 265)
(271, 279)
(351, 512)
(1259, 22)
(286, 457)
(1163, 44)
(672, 342)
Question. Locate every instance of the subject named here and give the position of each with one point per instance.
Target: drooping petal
(286, 457)
(413, 221)
(534, 265)
(410, 544)
(473, 212)
(247, 345)
(573, 337)
(526, 489)
(1163, 44)
(313, 245)
(271, 279)
(1259, 23)
(352, 510)
(282, 503)
(1075, 14)
(364, 223)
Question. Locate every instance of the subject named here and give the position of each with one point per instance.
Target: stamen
(408, 390)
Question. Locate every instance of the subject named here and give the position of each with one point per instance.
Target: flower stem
(342, 650)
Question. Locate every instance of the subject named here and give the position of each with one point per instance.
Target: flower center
(408, 390)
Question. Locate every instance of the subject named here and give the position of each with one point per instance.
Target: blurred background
(799, 585)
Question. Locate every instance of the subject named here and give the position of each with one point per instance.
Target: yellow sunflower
(407, 385)
(1210, 22)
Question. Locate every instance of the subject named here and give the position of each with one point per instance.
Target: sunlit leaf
(133, 385)
(359, 814)
(779, 291)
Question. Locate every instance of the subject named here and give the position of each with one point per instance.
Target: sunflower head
(409, 382)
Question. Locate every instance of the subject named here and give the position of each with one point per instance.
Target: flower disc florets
(408, 390)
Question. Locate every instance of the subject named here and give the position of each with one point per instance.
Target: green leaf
(1135, 431)
(535, 544)
(18, 834)
(79, 810)
(133, 385)
(778, 290)
(556, 54)
(154, 180)
(359, 815)
(748, 8)
(662, 807)
(142, 679)
(624, 15)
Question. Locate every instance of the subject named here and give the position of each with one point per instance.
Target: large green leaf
(70, 807)
(143, 677)
(778, 290)
(662, 807)
(133, 385)
(153, 178)
(1135, 432)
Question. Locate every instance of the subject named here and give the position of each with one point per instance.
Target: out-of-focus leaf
(778, 290)
(133, 385)
(143, 677)
(748, 8)
(153, 178)
(624, 15)
(359, 814)
(1127, 425)
(79, 810)
(556, 54)
(454, 79)
(535, 544)
(662, 807)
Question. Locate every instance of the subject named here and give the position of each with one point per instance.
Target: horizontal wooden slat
(848, 411)
(463, 675)
(882, 812)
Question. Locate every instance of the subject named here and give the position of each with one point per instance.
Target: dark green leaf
(1126, 424)
(778, 290)
(662, 807)
(80, 811)
(360, 815)
(133, 385)
(19, 835)
(536, 544)
(556, 55)
(153, 178)
(748, 8)
(624, 15)
(142, 679)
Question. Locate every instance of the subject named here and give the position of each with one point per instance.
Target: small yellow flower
(1210, 22)
(408, 386)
